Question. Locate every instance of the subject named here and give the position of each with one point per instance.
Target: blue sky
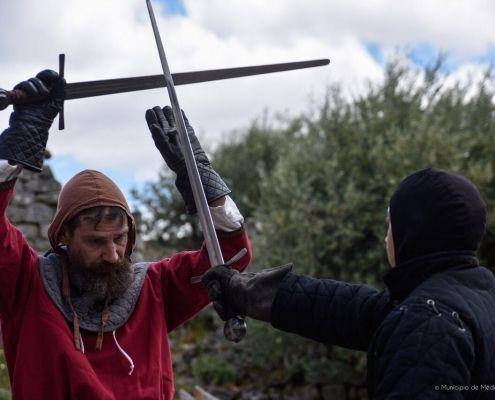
(424, 54)
(66, 166)
(109, 133)
(174, 7)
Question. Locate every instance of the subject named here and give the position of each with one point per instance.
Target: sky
(113, 38)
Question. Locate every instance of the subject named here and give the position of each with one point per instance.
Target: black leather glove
(166, 137)
(25, 140)
(250, 294)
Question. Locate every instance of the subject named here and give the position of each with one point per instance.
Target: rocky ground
(198, 346)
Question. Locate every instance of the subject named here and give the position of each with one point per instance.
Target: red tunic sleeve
(18, 260)
(182, 299)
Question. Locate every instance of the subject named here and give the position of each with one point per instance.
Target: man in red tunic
(82, 321)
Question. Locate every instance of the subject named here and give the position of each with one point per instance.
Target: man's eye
(98, 242)
(120, 238)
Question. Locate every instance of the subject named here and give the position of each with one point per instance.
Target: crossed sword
(235, 328)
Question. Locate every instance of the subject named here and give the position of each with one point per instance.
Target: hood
(434, 211)
(85, 190)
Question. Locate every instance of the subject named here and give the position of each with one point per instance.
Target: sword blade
(214, 252)
(78, 90)
(235, 327)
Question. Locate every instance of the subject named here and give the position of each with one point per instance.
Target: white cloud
(461, 26)
(111, 38)
(467, 75)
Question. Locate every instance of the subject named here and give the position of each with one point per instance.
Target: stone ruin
(33, 206)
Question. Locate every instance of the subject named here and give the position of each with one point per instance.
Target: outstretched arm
(329, 311)
(324, 310)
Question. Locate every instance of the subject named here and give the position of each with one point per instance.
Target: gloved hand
(251, 294)
(166, 137)
(25, 140)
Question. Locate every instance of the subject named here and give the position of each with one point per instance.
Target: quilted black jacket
(431, 334)
(437, 343)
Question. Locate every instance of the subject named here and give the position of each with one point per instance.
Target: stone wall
(33, 206)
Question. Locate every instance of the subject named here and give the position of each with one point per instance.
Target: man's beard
(102, 281)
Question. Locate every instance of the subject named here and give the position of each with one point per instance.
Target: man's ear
(64, 237)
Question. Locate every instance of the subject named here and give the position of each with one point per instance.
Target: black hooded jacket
(431, 334)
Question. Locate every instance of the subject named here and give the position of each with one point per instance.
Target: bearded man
(431, 333)
(82, 321)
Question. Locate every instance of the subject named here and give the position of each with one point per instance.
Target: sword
(235, 328)
(79, 90)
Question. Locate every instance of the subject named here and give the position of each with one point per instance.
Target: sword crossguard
(8, 97)
(61, 72)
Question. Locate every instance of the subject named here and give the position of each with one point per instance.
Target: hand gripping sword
(235, 328)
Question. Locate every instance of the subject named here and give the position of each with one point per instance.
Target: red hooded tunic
(38, 341)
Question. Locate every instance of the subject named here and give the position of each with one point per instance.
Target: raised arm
(163, 129)
(182, 297)
(16, 257)
(22, 144)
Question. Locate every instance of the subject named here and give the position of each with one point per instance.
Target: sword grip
(12, 97)
(18, 96)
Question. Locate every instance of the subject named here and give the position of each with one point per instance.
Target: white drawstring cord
(131, 363)
(82, 343)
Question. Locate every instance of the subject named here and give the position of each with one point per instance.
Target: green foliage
(247, 160)
(196, 331)
(323, 206)
(333, 187)
(317, 191)
(163, 220)
(213, 369)
(4, 379)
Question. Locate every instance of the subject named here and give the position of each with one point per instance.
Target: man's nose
(110, 255)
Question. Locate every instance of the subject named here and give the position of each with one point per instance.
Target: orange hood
(85, 190)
